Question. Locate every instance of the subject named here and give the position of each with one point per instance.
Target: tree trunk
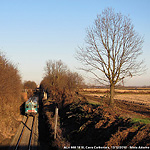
(112, 92)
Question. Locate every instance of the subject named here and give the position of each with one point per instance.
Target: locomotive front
(31, 106)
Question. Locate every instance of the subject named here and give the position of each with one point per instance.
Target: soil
(90, 121)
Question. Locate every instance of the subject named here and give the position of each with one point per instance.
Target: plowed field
(89, 121)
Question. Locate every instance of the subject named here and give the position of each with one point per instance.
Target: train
(31, 106)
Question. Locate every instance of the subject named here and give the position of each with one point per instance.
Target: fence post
(56, 118)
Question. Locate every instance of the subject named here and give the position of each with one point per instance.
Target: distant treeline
(118, 87)
(29, 85)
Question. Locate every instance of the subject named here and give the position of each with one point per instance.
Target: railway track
(27, 135)
(24, 136)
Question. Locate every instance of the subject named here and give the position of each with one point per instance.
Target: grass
(93, 102)
(140, 120)
(137, 119)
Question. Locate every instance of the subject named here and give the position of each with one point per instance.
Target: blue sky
(32, 32)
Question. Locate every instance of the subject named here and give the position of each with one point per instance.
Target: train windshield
(32, 99)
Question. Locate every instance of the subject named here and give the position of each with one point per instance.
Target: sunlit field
(141, 95)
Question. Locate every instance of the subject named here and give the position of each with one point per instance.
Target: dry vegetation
(10, 98)
(59, 82)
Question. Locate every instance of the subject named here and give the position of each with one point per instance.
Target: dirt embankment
(91, 122)
(49, 113)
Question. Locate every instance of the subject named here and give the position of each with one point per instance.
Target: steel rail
(21, 134)
(29, 145)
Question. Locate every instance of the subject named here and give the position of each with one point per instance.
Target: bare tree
(112, 46)
(60, 83)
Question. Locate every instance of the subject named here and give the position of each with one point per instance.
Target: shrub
(10, 96)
